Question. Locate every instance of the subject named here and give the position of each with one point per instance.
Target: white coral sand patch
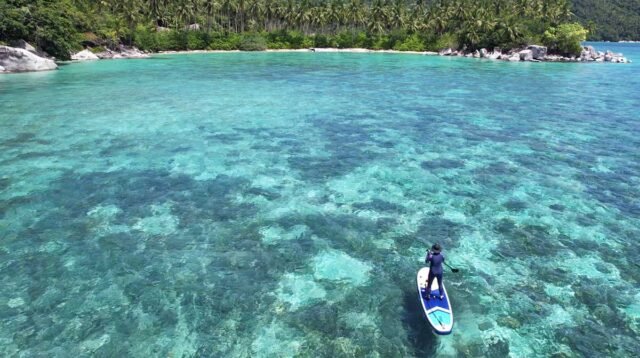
(336, 265)
(161, 222)
(455, 216)
(15, 302)
(102, 217)
(276, 340)
(299, 290)
(92, 345)
(273, 234)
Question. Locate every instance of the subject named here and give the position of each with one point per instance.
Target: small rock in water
(485, 325)
(510, 322)
(496, 345)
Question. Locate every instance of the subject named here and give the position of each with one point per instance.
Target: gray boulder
(538, 52)
(445, 52)
(526, 55)
(476, 54)
(121, 52)
(192, 27)
(20, 60)
(84, 55)
(513, 58)
(24, 45)
(495, 55)
(590, 52)
(483, 52)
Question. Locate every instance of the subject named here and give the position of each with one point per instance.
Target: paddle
(454, 270)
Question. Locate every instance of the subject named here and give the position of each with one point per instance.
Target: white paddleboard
(438, 311)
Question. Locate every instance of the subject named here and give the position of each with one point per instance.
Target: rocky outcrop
(445, 52)
(25, 46)
(526, 55)
(14, 59)
(84, 55)
(121, 52)
(615, 57)
(538, 52)
(513, 58)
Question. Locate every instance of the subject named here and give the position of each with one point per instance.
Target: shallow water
(274, 204)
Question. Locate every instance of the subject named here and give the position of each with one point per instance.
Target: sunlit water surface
(274, 204)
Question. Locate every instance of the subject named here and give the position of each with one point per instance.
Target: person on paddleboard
(435, 259)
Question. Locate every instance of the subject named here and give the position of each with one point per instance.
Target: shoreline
(309, 50)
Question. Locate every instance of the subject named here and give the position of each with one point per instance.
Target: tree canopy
(611, 20)
(59, 25)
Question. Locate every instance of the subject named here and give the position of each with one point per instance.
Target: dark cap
(436, 248)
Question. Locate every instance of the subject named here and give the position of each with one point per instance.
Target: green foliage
(253, 42)
(417, 25)
(565, 39)
(411, 43)
(610, 20)
(197, 40)
(224, 42)
(437, 43)
(46, 24)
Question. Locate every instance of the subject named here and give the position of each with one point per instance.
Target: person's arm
(428, 258)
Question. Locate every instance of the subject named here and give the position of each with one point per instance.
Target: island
(34, 33)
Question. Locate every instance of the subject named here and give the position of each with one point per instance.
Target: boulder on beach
(14, 59)
(538, 52)
(483, 53)
(526, 55)
(84, 55)
(445, 52)
(513, 58)
(24, 45)
(589, 52)
(121, 52)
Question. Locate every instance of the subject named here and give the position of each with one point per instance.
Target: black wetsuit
(435, 261)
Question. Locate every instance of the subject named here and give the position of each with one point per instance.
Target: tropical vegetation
(60, 26)
(611, 20)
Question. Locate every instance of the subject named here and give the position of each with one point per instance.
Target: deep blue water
(280, 204)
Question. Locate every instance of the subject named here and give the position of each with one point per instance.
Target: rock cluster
(121, 52)
(536, 53)
(13, 59)
(84, 55)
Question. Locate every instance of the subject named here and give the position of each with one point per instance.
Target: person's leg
(439, 277)
(429, 282)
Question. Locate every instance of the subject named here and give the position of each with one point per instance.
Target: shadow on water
(419, 333)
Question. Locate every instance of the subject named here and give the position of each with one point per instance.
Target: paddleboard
(438, 311)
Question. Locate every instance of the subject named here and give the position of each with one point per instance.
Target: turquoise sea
(280, 205)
